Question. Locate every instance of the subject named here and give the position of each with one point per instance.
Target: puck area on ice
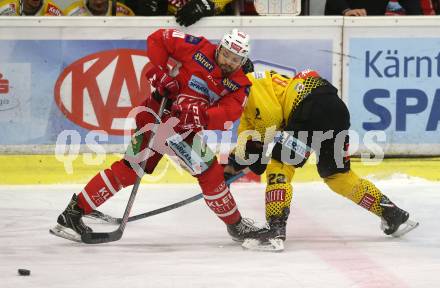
(24, 272)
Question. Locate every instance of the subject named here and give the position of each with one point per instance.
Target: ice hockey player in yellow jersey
(29, 8)
(97, 8)
(296, 107)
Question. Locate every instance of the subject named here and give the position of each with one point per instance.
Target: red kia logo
(99, 90)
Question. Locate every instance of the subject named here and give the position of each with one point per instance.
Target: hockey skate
(245, 228)
(273, 238)
(69, 224)
(395, 221)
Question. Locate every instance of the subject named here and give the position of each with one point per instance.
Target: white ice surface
(331, 242)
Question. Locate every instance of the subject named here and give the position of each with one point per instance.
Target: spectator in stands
(148, 7)
(29, 8)
(368, 7)
(9, 8)
(247, 7)
(394, 9)
(187, 12)
(98, 8)
(436, 5)
(428, 7)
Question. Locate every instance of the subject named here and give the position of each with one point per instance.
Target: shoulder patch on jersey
(299, 87)
(178, 34)
(203, 61)
(192, 39)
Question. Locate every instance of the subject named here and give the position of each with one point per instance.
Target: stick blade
(101, 237)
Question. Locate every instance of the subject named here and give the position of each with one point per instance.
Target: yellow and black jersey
(220, 5)
(273, 97)
(9, 8)
(49, 8)
(13, 8)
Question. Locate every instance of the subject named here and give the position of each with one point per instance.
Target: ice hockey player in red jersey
(209, 90)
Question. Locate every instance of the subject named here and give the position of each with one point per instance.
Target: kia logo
(99, 90)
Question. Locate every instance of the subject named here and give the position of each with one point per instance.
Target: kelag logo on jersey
(99, 90)
(200, 86)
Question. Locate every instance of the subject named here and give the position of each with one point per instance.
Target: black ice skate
(395, 221)
(245, 228)
(273, 238)
(70, 225)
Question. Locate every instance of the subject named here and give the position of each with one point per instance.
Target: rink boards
(80, 75)
(45, 169)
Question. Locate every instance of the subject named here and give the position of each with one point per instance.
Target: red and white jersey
(199, 76)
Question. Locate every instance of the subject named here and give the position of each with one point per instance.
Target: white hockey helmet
(237, 42)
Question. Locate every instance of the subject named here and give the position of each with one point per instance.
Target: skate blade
(408, 226)
(273, 245)
(101, 218)
(65, 233)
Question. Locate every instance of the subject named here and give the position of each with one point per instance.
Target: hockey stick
(104, 237)
(285, 139)
(113, 220)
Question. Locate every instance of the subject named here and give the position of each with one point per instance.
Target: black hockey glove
(256, 147)
(232, 161)
(234, 164)
(193, 11)
(148, 7)
(252, 148)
